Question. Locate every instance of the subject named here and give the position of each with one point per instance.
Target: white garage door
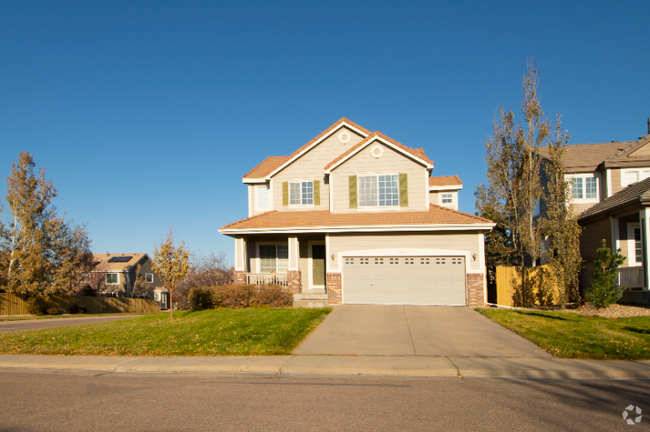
(404, 280)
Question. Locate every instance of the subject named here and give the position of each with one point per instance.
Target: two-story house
(611, 196)
(354, 216)
(119, 272)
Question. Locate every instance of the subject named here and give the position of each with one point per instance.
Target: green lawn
(255, 331)
(571, 335)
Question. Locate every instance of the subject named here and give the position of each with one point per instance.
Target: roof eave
(445, 188)
(370, 228)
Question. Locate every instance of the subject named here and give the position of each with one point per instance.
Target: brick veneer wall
(334, 288)
(294, 285)
(239, 277)
(475, 289)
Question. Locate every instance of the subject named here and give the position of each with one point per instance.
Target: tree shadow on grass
(541, 315)
(637, 330)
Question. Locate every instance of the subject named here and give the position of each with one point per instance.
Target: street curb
(395, 366)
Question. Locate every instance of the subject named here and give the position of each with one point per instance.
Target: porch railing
(267, 279)
(630, 277)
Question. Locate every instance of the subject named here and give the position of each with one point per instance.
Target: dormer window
(447, 198)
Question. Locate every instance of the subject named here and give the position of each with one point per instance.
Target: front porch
(295, 262)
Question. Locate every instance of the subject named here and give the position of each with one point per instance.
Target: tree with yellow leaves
(171, 263)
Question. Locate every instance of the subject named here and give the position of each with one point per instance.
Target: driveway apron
(414, 331)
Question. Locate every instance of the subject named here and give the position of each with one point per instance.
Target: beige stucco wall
(311, 166)
(390, 162)
(446, 240)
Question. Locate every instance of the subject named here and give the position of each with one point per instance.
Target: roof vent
(648, 125)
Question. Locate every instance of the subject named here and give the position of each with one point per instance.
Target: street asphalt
(74, 402)
(57, 322)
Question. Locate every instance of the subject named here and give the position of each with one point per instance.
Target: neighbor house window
(447, 198)
(262, 197)
(148, 277)
(111, 278)
(584, 187)
(301, 193)
(634, 176)
(274, 258)
(379, 190)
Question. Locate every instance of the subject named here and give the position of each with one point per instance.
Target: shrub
(88, 291)
(77, 309)
(34, 306)
(200, 298)
(603, 290)
(274, 296)
(239, 296)
(53, 311)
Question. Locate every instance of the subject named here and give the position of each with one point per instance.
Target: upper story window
(379, 190)
(631, 176)
(447, 198)
(584, 187)
(262, 197)
(149, 277)
(301, 193)
(112, 278)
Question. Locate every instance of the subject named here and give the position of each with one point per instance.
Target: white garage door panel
(404, 280)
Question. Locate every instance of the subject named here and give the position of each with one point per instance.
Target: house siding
(311, 166)
(467, 241)
(390, 162)
(590, 240)
(616, 180)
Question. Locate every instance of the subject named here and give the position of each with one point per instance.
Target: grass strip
(571, 335)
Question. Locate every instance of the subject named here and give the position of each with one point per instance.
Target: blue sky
(147, 113)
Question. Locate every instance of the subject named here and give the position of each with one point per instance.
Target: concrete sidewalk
(408, 366)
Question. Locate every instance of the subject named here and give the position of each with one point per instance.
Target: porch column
(293, 273)
(240, 261)
(644, 222)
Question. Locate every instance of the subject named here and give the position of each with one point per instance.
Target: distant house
(119, 272)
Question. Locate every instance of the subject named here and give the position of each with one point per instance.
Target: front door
(318, 265)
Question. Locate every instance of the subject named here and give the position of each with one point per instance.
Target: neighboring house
(623, 221)
(610, 195)
(351, 217)
(120, 275)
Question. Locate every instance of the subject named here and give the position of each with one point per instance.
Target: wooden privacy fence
(11, 304)
(507, 278)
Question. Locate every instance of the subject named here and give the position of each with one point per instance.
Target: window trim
(442, 198)
(377, 207)
(258, 259)
(628, 170)
(631, 245)
(268, 198)
(117, 282)
(584, 187)
(300, 182)
(146, 277)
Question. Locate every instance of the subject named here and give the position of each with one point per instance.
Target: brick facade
(334, 288)
(294, 284)
(239, 277)
(475, 289)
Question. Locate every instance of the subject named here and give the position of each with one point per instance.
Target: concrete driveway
(57, 322)
(414, 331)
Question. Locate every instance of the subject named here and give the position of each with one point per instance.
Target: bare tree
(205, 271)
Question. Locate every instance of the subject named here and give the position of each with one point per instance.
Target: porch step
(310, 300)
